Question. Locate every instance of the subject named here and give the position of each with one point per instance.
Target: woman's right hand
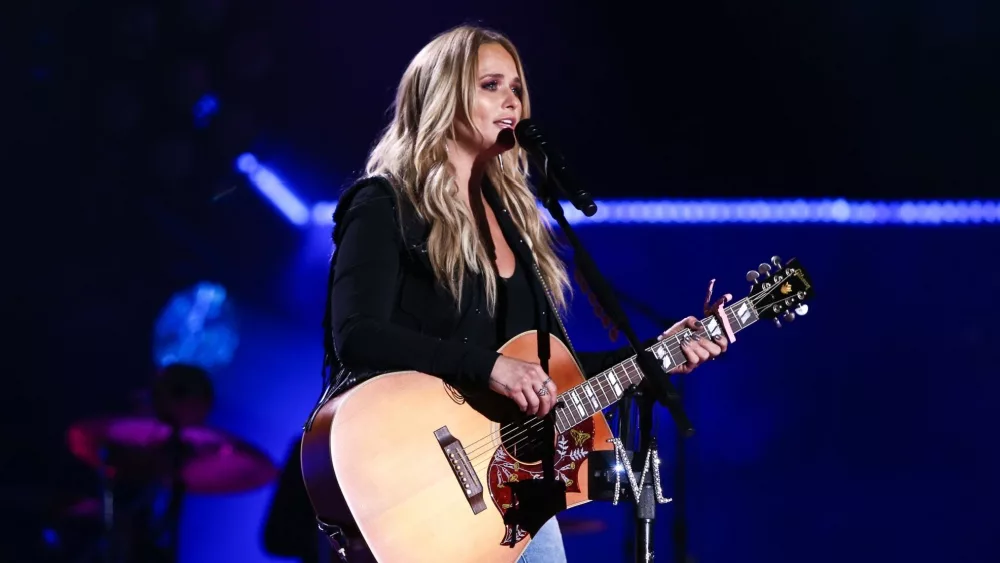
(524, 383)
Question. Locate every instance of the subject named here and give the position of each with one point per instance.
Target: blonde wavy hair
(437, 89)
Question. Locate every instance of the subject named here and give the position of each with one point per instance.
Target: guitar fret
(624, 369)
(732, 321)
(590, 395)
(678, 353)
(743, 313)
(611, 384)
(678, 357)
(632, 368)
(604, 385)
(712, 327)
(578, 404)
(616, 385)
(560, 425)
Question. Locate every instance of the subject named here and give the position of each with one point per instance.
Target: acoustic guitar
(431, 474)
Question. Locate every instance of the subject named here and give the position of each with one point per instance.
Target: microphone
(552, 165)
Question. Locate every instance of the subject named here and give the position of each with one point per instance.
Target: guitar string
(600, 381)
(531, 438)
(529, 425)
(603, 385)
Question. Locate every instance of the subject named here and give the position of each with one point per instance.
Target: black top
(516, 306)
(387, 312)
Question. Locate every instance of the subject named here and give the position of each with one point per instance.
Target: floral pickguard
(572, 448)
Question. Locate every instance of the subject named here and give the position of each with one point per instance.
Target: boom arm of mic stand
(657, 380)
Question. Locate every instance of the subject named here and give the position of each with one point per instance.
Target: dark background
(885, 396)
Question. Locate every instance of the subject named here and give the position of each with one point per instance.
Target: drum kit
(149, 459)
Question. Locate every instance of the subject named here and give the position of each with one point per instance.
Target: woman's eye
(493, 85)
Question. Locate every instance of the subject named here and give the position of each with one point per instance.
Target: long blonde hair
(436, 89)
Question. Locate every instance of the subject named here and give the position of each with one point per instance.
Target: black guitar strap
(544, 313)
(526, 259)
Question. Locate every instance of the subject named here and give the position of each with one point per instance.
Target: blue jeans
(546, 546)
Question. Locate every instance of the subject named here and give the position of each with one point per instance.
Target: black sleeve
(364, 290)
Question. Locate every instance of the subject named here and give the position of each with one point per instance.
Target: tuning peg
(776, 260)
(789, 316)
(777, 322)
(764, 269)
(752, 276)
(801, 310)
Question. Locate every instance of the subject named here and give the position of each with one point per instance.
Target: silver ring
(543, 391)
(546, 382)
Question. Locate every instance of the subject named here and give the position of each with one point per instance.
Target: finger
(518, 397)
(712, 348)
(544, 404)
(553, 394)
(722, 342)
(692, 357)
(698, 350)
(701, 351)
(544, 398)
(549, 398)
(553, 390)
(533, 402)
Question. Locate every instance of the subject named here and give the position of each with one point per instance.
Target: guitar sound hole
(527, 441)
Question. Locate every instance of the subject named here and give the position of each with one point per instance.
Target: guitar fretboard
(605, 389)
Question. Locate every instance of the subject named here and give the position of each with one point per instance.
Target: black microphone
(552, 164)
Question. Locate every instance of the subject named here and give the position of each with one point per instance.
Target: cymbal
(137, 448)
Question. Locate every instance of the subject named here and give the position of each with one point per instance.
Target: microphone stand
(658, 386)
(680, 529)
(172, 517)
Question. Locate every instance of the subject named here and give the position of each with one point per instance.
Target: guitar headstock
(779, 291)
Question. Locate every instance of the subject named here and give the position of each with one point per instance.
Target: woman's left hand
(699, 347)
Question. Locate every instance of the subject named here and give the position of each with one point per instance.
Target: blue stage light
(271, 187)
(204, 110)
(800, 211)
(197, 326)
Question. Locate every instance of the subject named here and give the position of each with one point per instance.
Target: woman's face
(496, 105)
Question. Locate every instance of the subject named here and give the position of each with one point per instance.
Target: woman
(442, 255)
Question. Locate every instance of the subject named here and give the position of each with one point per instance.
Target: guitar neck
(608, 387)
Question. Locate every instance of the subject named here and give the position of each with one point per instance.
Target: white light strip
(800, 211)
(271, 187)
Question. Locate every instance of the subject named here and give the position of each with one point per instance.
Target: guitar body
(398, 446)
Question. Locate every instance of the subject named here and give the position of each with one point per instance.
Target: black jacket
(386, 312)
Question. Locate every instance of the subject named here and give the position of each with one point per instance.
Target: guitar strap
(544, 310)
(526, 259)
